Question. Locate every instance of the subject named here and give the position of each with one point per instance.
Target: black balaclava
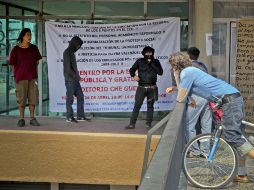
(148, 49)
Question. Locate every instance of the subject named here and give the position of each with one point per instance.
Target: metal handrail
(163, 172)
(248, 123)
(148, 142)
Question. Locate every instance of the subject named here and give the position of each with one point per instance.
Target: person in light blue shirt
(199, 119)
(195, 81)
(191, 80)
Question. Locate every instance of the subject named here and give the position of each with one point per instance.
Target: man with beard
(148, 68)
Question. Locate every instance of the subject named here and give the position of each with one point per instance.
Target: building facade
(199, 19)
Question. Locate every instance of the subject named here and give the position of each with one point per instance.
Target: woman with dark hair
(23, 60)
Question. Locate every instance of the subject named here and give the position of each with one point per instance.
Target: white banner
(104, 60)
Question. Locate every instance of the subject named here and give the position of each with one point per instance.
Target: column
(202, 24)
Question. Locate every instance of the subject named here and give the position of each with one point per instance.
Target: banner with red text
(104, 60)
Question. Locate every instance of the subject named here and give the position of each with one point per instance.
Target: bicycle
(215, 168)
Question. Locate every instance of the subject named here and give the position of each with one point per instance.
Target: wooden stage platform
(98, 152)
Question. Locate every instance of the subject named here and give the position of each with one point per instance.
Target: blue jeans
(232, 117)
(202, 113)
(73, 88)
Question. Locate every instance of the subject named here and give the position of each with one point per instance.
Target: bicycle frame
(219, 163)
(216, 140)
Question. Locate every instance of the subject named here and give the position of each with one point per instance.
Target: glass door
(3, 67)
(9, 32)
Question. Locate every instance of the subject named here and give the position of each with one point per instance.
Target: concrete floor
(97, 125)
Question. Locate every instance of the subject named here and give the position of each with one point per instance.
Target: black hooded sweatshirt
(147, 72)
(69, 60)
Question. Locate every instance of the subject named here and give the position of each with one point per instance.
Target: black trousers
(141, 94)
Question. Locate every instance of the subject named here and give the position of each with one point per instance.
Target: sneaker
(88, 119)
(34, 122)
(71, 120)
(130, 127)
(21, 123)
(192, 155)
(83, 119)
(241, 179)
(148, 125)
(88, 116)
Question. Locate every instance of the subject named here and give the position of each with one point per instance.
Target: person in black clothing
(148, 69)
(71, 77)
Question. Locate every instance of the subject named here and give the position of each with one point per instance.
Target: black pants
(141, 93)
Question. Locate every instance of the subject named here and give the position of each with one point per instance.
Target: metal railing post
(148, 142)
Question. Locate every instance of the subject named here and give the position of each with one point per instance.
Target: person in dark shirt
(148, 68)
(71, 77)
(23, 60)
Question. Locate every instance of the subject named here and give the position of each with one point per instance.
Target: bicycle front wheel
(210, 174)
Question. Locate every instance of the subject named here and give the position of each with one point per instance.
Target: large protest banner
(245, 64)
(104, 60)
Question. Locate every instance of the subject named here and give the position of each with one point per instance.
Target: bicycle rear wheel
(210, 174)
